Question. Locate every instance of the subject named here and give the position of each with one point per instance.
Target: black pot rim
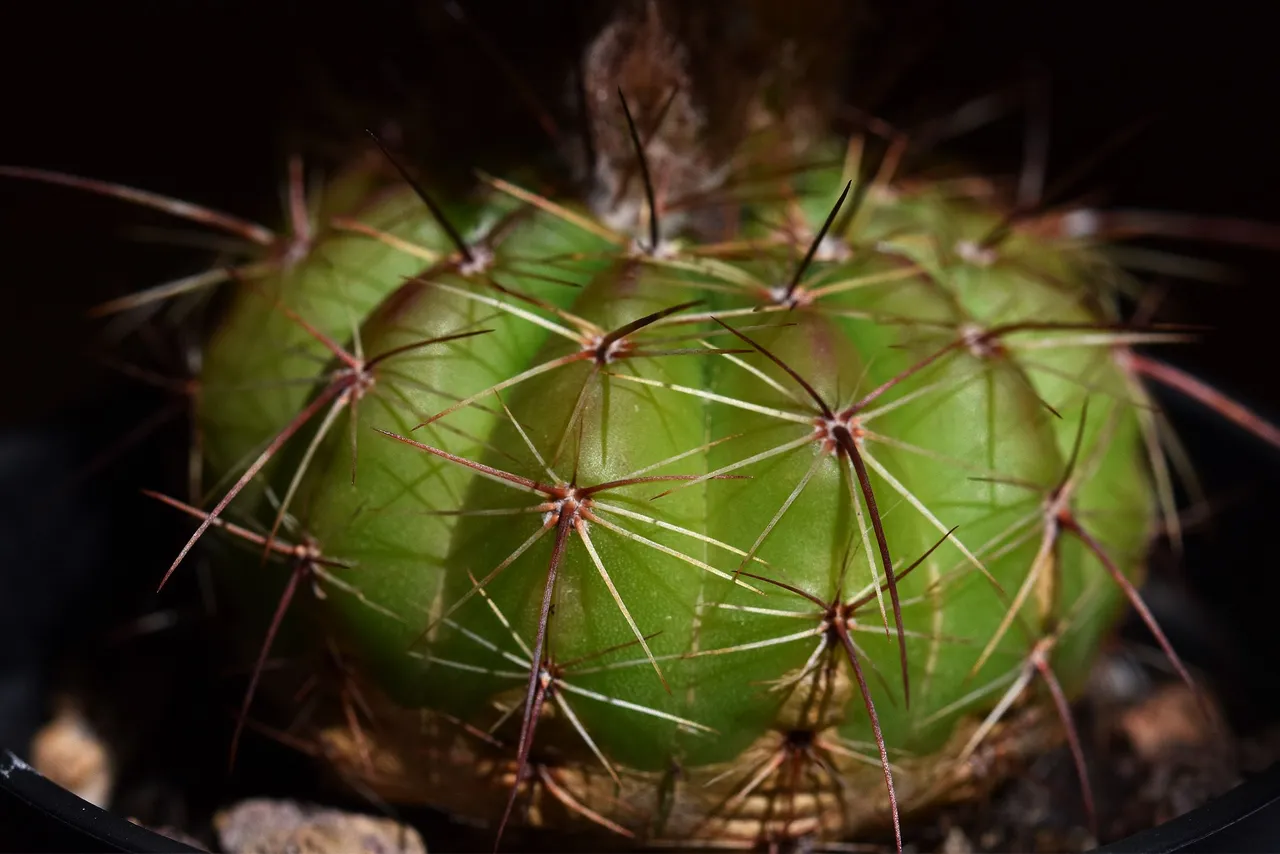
(37, 814)
(1247, 818)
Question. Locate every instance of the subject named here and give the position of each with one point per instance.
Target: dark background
(191, 99)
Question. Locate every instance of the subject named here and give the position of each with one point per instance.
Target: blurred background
(202, 100)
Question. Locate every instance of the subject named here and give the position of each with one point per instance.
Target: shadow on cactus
(786, 531)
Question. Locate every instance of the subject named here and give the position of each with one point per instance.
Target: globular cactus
(803, 518)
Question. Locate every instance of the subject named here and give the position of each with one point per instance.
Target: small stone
(1169, 719)
(68, 752)
(957, 842)
(261, 826)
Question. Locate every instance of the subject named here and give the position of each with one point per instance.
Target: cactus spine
(692, 528)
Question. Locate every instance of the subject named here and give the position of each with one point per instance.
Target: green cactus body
(683, 666)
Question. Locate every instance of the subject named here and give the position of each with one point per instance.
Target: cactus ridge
(698, 541)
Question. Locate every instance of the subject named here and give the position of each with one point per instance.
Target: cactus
(622, 522)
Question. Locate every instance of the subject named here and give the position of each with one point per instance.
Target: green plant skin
(262, 367)
(967, 416)
(258, 362)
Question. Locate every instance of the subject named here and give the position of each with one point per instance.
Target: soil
(1150, 758)
(1148, 762)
